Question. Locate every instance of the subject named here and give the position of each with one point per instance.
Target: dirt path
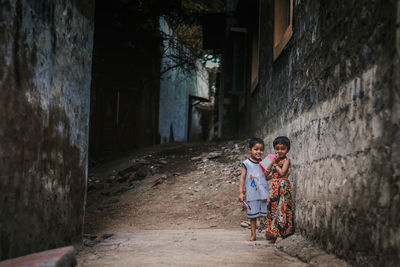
(196, 247)
(172, 205)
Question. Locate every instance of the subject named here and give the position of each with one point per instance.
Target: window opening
(283, 29)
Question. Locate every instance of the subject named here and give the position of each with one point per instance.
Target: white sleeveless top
(256, 183)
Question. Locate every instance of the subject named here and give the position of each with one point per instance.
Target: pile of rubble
(137, 170)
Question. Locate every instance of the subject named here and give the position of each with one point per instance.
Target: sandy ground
(184, 212)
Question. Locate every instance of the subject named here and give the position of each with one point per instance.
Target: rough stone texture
(176, 86)
(45, 62)
(334, 91)
(297, 246)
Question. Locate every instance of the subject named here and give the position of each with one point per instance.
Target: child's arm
(241, 184)
(283, 171)
(268, 170)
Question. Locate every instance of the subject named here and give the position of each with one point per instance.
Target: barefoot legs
(253, 229)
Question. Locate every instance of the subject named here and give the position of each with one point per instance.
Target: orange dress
(280, 204)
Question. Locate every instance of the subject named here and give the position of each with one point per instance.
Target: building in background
(145, 84)
(182, 87)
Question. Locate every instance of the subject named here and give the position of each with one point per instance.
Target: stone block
(60, 257)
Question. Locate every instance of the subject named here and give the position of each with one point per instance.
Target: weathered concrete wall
(45, 65)
(176, 86)
(334, 91)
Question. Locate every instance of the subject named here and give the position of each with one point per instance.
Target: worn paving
(198, 247)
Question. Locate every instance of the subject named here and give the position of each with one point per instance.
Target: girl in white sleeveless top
(255, 184)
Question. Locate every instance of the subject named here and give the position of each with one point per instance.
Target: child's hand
(276, 159)
(241, 197)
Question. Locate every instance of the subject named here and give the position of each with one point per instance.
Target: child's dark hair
(255, 141)
(282, 140)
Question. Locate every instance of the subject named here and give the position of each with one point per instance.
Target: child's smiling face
(281, 150)
(256, 152)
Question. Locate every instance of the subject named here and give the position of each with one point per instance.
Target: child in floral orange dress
(280, 203)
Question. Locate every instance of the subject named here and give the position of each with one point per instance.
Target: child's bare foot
(252, 238)
(278, 239)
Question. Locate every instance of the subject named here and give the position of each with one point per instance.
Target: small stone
(136, 165)
(105, 236)
(159, 181)
(214, 155)
(142, 172)
(244, 224)
(125, 171)
(211, 217)
(89, 236)
(143, 161)
(89, 243)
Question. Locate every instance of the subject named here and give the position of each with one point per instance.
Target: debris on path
(184, 176)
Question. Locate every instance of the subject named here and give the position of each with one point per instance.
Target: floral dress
(280, 203)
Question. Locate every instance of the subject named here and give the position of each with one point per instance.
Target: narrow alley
(125, 126)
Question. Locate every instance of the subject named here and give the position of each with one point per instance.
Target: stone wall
(334, 91)
(45, 66)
